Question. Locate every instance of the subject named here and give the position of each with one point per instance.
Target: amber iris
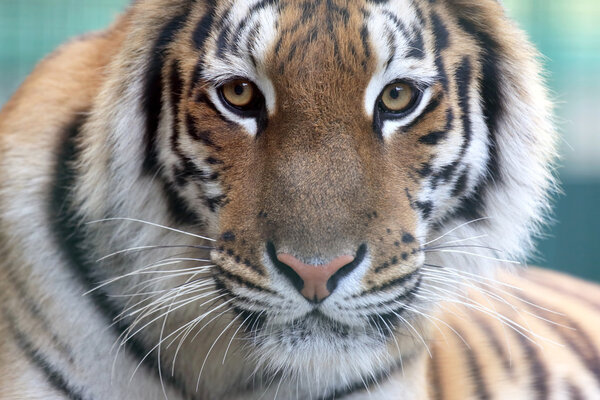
(398, 97)
(239, 93)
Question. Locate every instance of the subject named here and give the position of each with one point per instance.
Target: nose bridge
(315, 189)
(316, 148)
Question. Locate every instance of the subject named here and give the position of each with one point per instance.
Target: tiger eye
(397, 97)
(239, 93)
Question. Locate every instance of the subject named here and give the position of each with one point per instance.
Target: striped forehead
(243, 33)
(396, 33)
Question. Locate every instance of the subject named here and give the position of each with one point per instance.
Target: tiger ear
(515, 194)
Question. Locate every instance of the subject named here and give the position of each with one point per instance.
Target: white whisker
(233, 336)
(152, 247)
(466, 239)
(477, 277)
(212, 347)
(435, 319)
(456, 228)
(152, 224)
(469, 303)
(474, 254)
(163, 340)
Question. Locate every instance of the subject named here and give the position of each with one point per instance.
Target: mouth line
(402, 281)
(332, 326)
(386, 323)
(406, 296)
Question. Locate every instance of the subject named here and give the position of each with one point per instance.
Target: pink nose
(315, 277)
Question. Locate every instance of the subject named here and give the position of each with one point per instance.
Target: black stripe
(445, 173)
(416, 45)
(215, 202)
(251, 44)
(443, 76)
(435, 377)
(434, 103)
(494, 341)
(38, 314)
(472, 207)
(433, 138)
(461, 183)
(474, 366)
(203, 136)
(392, 304)
(425, 170)
(199, 37)
(364, 37)
(213, 161)
(420, 19)
(392, 284)
(153, 85)
(491, 93)
(579, 295)
(574, 392)
(425, 207)
(179, 209)
(336, 45)
(576, 338)
(236, 36)
(339, 12)
(70, 237)
(537, 369)
(188, 170)
(224, 274)
(225, 29)
(399, 24)
(180, 212)
(54, 377)
(538, 372)
(463, 83)
(204, 25)
(292, 51)
(176, 91)
(391, 44)
(227, 37)
(442, 38)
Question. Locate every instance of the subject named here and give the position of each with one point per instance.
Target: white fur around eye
(391, 126)
(421, 77)
(249, 124)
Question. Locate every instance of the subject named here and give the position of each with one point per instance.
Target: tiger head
(332, 153)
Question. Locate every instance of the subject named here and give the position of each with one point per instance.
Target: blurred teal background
(567, 33)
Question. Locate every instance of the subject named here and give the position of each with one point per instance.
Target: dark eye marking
(435, 137)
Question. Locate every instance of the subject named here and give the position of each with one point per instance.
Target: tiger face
(323, 148)
(321, 143)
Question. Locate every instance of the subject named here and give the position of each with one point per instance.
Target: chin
(324, 351)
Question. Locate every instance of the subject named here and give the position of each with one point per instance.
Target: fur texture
(142, 215)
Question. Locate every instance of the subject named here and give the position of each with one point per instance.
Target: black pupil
(239, 89)
(395, 92)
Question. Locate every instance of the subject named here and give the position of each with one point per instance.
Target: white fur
(112, 181)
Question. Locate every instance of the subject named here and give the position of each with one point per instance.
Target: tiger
(287, 199)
